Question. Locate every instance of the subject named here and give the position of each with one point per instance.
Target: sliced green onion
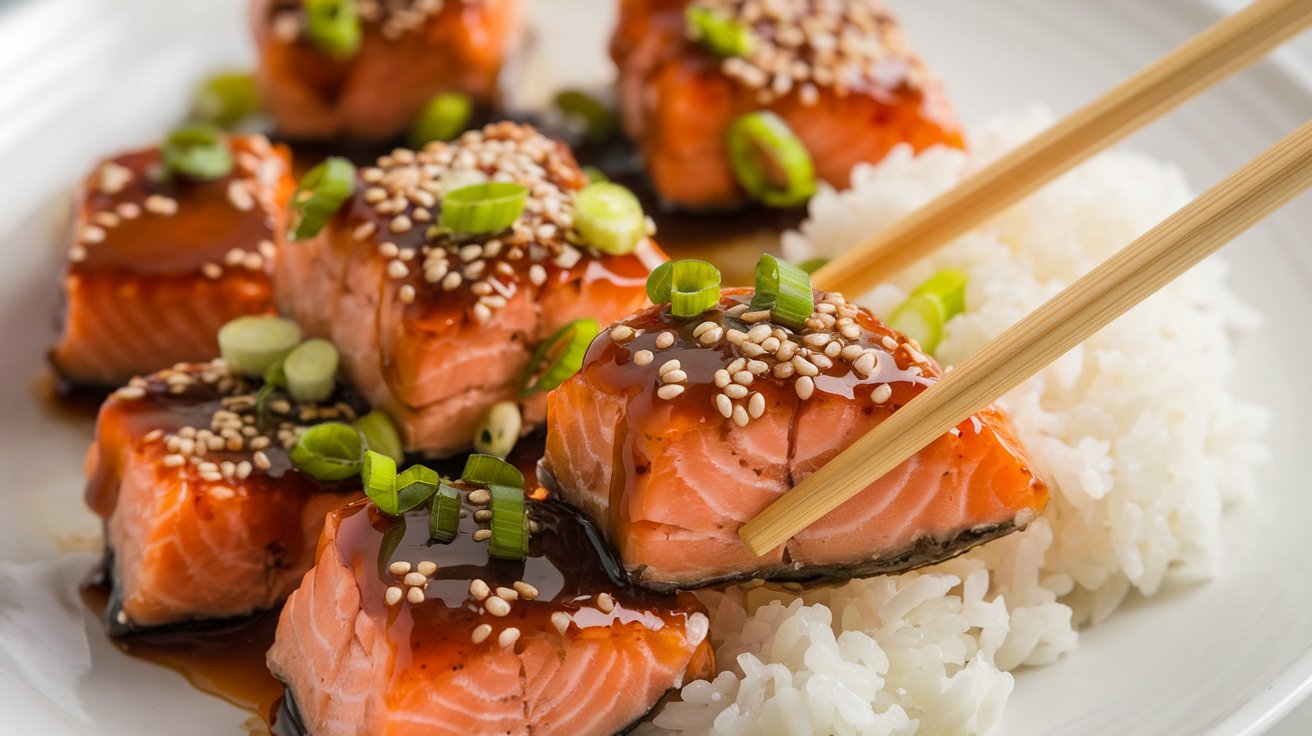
(415, 485)
(378, 475)
(610, 218)
(329, 451)
(600, 122)
(392, 539)
(486, 470)
(721, 35)
(594, 174)
(444, 520)
(689, 286)
(770, 161)
(251, 345)
(499, 431)
(509, 523)
(785, 290)
(329, 184)
(275, 376)
(921, 318)
(311, 370)
(334, 26)
(442, 119)
(225, 99)
(560, 357)
(811, 265)
(380, 434)
(949, 285)
(196, 152)
(483, 208)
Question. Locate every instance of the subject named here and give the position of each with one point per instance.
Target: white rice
(1136, 430)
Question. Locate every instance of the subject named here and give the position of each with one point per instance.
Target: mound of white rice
(1136, 430)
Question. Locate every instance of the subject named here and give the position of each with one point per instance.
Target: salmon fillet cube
(409, 52)
(848, 105)
(672, 478)
(571, 651)
(202, 522)
(436, 330)
(156, 265)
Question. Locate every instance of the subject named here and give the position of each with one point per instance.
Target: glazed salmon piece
(157, 264)
(570, 664)
(436, 330)
(672, 479)
(841, 75)
(411, 50)
(204, 518)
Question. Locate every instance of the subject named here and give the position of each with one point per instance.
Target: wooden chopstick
(1146, 265)
(1223, 49)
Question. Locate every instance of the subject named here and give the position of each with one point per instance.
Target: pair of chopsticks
(1200, 228)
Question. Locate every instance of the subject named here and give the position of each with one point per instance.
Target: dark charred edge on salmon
(926, 552)
(104, 575)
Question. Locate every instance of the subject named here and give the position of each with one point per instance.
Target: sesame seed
(735, 391)
(497, 606)
(479, 496)
(643, 357)
(758, 316)
(482, 312)
(77, 254)
(735, 336)
(722, 378)
(261, 460)
(669, 365)
(756, 405)
(508, 637)
(415, 595)
(711, 336)
(822, 361)
(888, 342)
(479, 589)
(157, 204)
(833, 349)
(804, 367)
(674, 376)
(743, 377)
(804, 387)
(451, 281)
(740, 416)
(525, 590)
(865, 365)
(212, 270)
(400, 224)
(399, 568)
(665, 339)
(669, 391)
(883, 392)
(770, 344)
(737, 365)
(407, 294)
(561, 621)
(397, 270)
(114, 177)
(482, 535)
(364, 230)
(758, 367)
(701, 329)
(537, 274)
(393, 595)
(416, 579)
(240, 197)
(92, 234)
(481, 633)
(483, 515)
(426, 567)
(851, 332)
(758, 333)
(174, 460)
(816, 339)
(724, 405)
(244, 470)
(128, 210)
(622, 333)
(509, 594)
(605, 602)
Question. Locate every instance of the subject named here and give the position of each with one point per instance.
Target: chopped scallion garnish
(560, 356)
(380, 434)
(378, 475)
(483, 208)
(770, 161)
(949, 285)
(196, 152)
(509, 539)
(311, 370)
(444, 520)
(225, 99)
(610, 218)
(924, 313)
(785, 290)
(486, 470)
(811, 265)
(500, 429)
(415, 485)
(598, 120)
(689, 286)
(329, 451)
(442, 119)
(594, 174)
(329, 184)
(252, 345)
(334, 26)
(720, 34)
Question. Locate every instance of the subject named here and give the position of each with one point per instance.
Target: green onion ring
(721, 35)
(444, 520)
(509, 539)
(378, 475)
(560, 356)
(311, 370)
(600, 121)
(811, 265)
(334, 26)
(949, 285)
(415, 485)
(486, 470)
(483, 208)
(442, 119)
(785, 290)
(595, 174)
(499, 430)
(920, 318)
(770, 161)
(225, 99)
(380, 434)
(689, 286)
(610, 218)
(196, 152)
(330, 184)
(329, 451)
(253, 344)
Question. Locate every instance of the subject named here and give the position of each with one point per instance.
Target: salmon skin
(841, 75)
(206, 519)
(156, 265)
(436, 329)
(671, 474)
(572, 649)
(411, 51)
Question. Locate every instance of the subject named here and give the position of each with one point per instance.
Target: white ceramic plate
(82, 78)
